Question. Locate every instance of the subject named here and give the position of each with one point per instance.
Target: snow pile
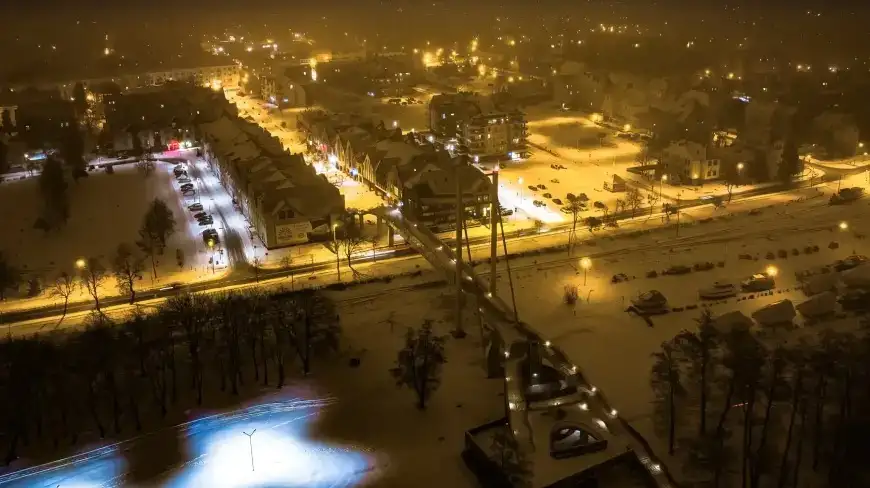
(818, 305)
(776, 313)
(857, 277)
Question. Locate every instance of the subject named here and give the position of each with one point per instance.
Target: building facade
(477, 128)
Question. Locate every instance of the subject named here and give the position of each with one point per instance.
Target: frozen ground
(341, 427)
(105, 210)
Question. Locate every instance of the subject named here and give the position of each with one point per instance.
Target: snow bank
(818, 305)
(776, 313)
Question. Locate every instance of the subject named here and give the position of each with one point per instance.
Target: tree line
(113, 377)
(741, 412)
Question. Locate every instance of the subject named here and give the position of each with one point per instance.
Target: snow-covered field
(105, 210)
(339, 427)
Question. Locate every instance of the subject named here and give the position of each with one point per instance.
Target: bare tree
(158, 225)
(511, 459)
(350, 245)
(127, 268)
(667, 386)
(418, 365)
(92, 276)
(633, 199)
(575, 206)
(63, 287)
(10, 276)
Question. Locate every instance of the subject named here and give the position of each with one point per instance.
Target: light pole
(211, 251)
(662, 188)
(843, 225)
(335, 246)
(520, 182)
(251, 445)
(81, 263)
(585, 263)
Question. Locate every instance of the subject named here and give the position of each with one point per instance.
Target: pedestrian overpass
(508, 335)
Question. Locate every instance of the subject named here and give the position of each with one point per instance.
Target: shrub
(833, 245)
(570, 294)
(808, 250)
(782, 253)
(795, 252)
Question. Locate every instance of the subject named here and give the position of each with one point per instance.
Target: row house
(283, 198)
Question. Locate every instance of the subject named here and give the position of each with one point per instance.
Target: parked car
(186, 186)
(538, 203)
(207, 221)
(677, 269)
(652, 301)
(758, 282)
(854, 300)
(557, 201)
(619, 278)
(188, 193)
(542, 186)
(533, 188)
(850, 262)
(200, 215)
(548, 195)
(184, 180)
(196, 207)
(554, 180)
(718, 290)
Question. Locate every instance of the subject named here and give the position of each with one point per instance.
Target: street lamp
(662, 187)
(771, 271)
(585, 263)
(211, 250)
(844, 225)
(335, 246)
(520, 181)
(81, 263)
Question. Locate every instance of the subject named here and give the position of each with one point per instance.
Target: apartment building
(479, 129)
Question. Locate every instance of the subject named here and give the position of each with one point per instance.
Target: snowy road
(213, 451)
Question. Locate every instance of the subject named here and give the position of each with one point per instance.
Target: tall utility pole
(494, 211)
(460, 214)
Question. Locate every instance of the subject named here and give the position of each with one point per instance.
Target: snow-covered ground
(105, 210)
(340, 427)
(612, 347)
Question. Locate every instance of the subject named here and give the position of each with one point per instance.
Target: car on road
(850, 262)
(196, 207)
(172, 286)
(758, 282)
(677, 269)
(718, 290)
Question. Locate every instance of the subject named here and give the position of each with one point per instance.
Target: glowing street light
(771, 271)
(844, 225)
(585, 263)
(81, 263)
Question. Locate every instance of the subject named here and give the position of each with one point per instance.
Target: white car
(718, 290)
